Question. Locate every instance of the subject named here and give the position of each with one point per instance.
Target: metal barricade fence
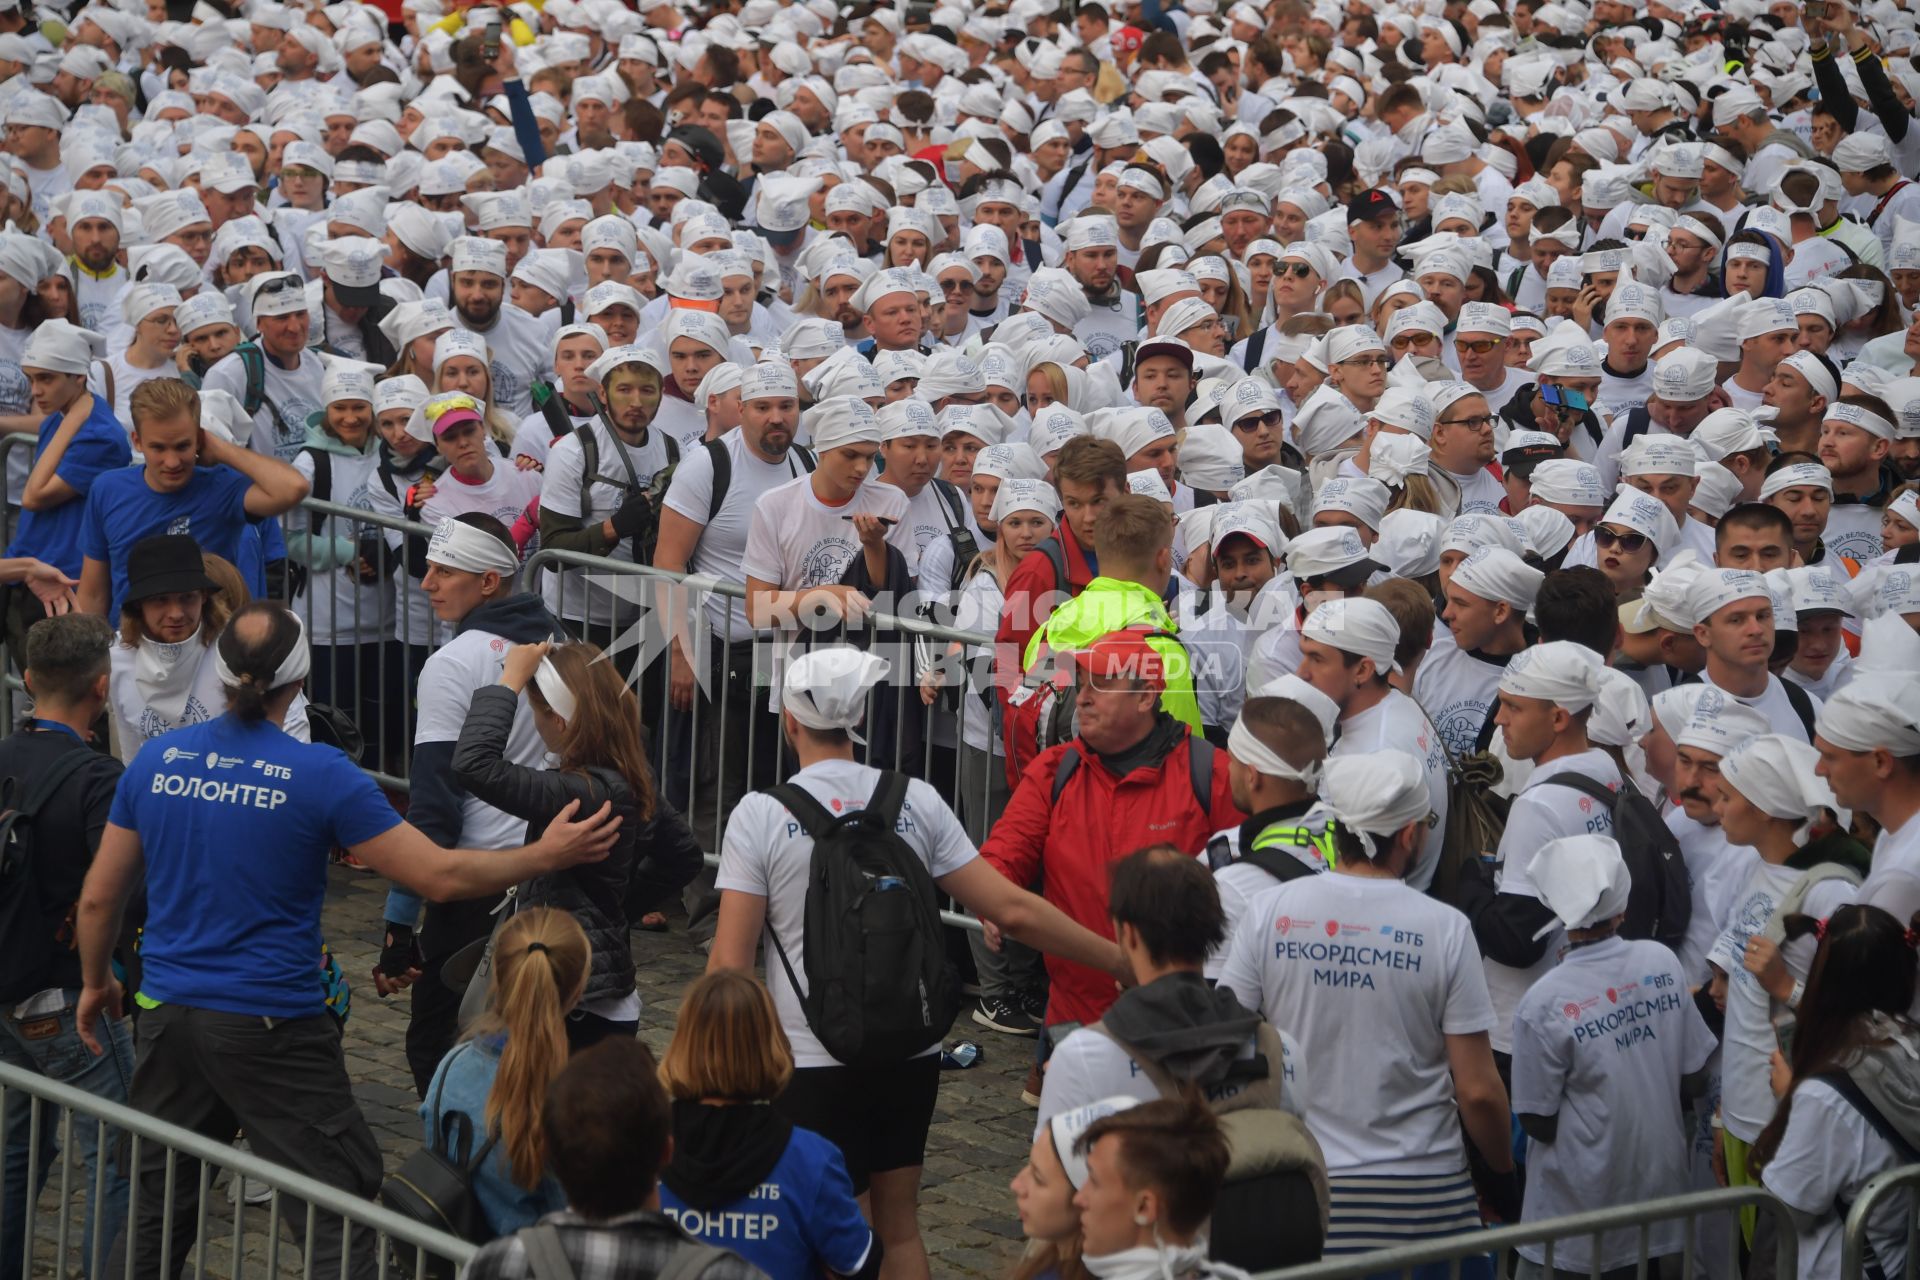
(1856, 1250)
(55, 1242)
(1500, 1243)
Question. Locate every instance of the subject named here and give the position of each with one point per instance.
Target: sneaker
(1035, 1003)
(1030, 1092)
(1005, 1016)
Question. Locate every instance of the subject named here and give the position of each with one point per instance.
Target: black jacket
(65, 836)
(650, 860)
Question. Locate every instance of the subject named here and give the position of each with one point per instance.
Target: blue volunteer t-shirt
(122, 509)
(802, 1218)
(235, 824)
(99, 447)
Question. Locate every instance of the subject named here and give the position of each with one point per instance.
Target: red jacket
(1027, 605)
(1099, 819)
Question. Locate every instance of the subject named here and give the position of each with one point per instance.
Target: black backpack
(879, 988)
(434, 1185)
(30, 927)
(1660, 901)
(966, 548)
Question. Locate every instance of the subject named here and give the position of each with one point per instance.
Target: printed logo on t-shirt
(826, 560)
(1629, 1014)
(15, 392)
(508, 386)
(1352, 953)
(180, 524)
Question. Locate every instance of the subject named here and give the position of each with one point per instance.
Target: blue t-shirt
(122, 509)
(99, 447)
(235, 824)
(802, 1218)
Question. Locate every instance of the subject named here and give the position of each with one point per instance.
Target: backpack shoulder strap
(1801, 703)
(889, 796)
(807, 460)
(1200, 770)
(690, 1259)
(1063, 773)
(1276, 862)
(1156, 1075)
(1794, 900)
(1843, 1084)
(106, 379)
(1057, 557)
(322, 485)
(672, 444)
(722, 461)
(950, 503)
(68, 764)
(1585, 786)
(1255, 345)
(254, 365)
(589, 469)
(808, 812)
(545, 1256)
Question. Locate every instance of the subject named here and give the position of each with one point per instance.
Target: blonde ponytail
(541, 959)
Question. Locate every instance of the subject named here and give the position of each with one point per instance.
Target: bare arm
(404, 854)
(1029, 918)
(45, 489)
(768, 605)
(742, 917)
(96, 587)
(277, 487)
(103, 898)
(673, 548)
(1482, 1098)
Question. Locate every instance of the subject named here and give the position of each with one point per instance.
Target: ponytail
(541, 960)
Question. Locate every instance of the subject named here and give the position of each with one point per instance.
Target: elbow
(33, 499)
(1481, 1095)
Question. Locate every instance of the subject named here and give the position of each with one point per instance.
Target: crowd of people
(1371, 546)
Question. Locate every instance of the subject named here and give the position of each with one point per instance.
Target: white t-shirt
(126, 377)
(1457, 689)
(723, 540)
(533, 438)
(1896, 855)
(16, 397)
(338, 606)
(414, 622)
(296, 393)
(1370, 976)
(1396, 723)
(1107, 327)
(1705, 850)
(1543, 811)
(1853, 530)
(978, 609)
(933, 572)
(567, 594)
(1479, 492)
(1087, 1067)
(1602, 1042)
(1828, 1154)
(1239, 883)
(454, 672)
(1773, 704)
(1620, 394)
(1746, 1095)
(99, 301)
(766, 853)
(505, 495)
(137, 718)
(797, 541)
(519, 350)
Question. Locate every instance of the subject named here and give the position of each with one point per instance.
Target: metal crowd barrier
(54, 1243)
(1854, 1251)
(1500, 1243)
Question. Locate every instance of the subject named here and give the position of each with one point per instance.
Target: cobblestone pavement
(981, 1130)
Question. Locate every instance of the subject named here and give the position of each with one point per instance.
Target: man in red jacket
(1089, 474)
(1133, 776)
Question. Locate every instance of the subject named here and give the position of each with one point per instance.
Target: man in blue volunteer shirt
(228, 824)
(192, 482)
(80, 440)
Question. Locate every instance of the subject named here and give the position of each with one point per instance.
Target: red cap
(1127, 38)
(1123, 655)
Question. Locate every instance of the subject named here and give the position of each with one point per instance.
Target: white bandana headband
(554, 689)
(294, 666)
(1245, 747)
(463, 547)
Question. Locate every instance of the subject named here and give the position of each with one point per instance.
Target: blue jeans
(50, 1045)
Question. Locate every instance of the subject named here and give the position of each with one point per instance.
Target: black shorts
(877, 1116)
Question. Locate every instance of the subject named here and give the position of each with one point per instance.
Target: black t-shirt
(66, 834)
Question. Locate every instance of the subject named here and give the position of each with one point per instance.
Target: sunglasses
(1299, 271)
(1479, 346)
(1272, 418)
(1627, 542)
(280, 284)
(1406, 340)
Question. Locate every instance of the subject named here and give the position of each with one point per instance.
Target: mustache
(1695, 793)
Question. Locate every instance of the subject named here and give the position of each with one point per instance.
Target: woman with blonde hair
(734, 1153)
(496, 1080)
(590, 720)
(461, 363)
